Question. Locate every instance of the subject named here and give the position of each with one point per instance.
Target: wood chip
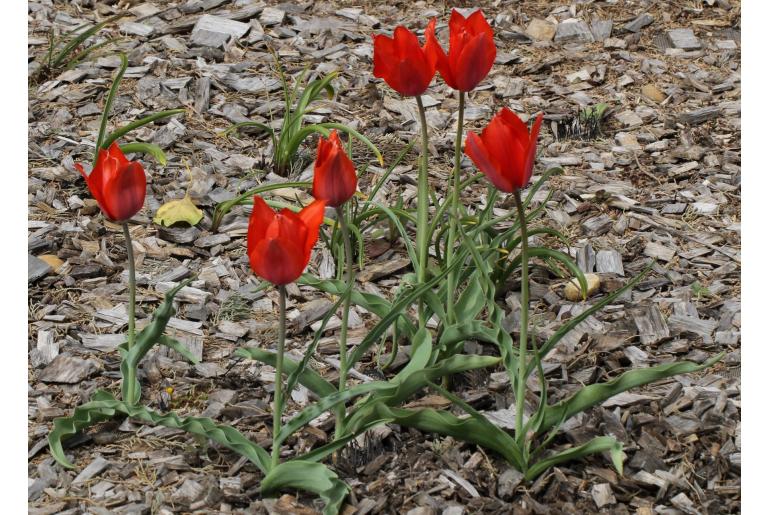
(67, 369)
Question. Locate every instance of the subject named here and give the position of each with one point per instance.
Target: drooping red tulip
(334, 174)
(406, 66)
(505, 151)
(117, 184)
(471, 51)
(279, 244)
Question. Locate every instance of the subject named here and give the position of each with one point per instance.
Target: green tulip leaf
(145, 148)
(145, 340)
(104, 406)
(122, 131)
(85, 416)
(308, 378)
(593, 394)
(429, 420)
(595, 446)
(310, 477)
(173, 344)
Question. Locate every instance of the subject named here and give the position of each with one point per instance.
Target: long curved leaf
(556, 170)
(561, 257)
(308, 378)
(374, 410)
(176, 345)
(76, 41)
(293, 119)
(404, 389)
(393, 391)
(103, 405)
(236, 126)
(368, 301)
(224, 207)
(421, 352)
(595, 446)
(471, 301)
(145, 340)
(594, 394)
(389, 171)
(430, 420)
(108, 104)
(310, 477)
(145, 148)
(87, 415)
(299, 371)
(392, 216)
(474, 330)
(574, 321)
(83, 54)
(119, 133)
(323, 129)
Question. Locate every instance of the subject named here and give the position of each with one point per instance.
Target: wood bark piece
(185, 24)
(67, 369)
(700, 115)
(36, 268)
(650, 324)
(609, 262)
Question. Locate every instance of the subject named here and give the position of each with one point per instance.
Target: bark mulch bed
(659, 178)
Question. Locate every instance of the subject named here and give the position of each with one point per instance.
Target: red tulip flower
(505, 151)
(403, 63)
(279, 244)
(334, 175)
(471, 51)
(117, 184)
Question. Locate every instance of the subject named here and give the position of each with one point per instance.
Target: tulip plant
(287, 141)
(70, 49)
(475, 254)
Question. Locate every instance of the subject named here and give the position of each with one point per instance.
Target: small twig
(645, 171)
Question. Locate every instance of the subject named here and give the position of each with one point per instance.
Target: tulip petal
(479, 154)
(474, 62)
(433, 47)
(407, 44)
(402, 63)
(115, 153)
(514, 123)
(79, 168)
(409, 77)
(323, 149)
(457, 31)
(384, 55)
(505, 148)
(334, 174)
(476, 24)
(530, 162)
(430, 57)
(279, 261)
(94, 185)
(106, 167)
(312, 216)
(288, 226)
(260, 219)
(124, 192)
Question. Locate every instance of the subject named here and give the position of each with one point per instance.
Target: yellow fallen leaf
(174, 211)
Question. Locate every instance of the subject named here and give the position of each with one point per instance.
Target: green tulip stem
(521, 380)
(423, 239)
(278, 398)
(343, 225)
(131, 379)
(454, 214)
